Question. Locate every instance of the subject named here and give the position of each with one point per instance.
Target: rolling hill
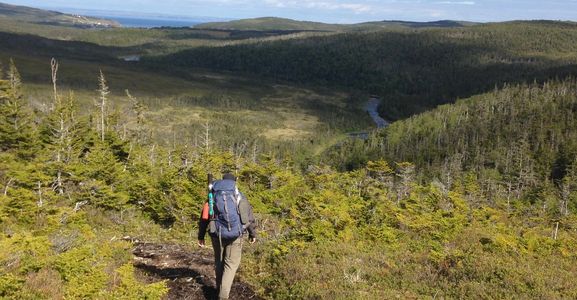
(271, 107)
(273, 23)
(270, 23)
(39, 16)
(412, 70)
(465, 200)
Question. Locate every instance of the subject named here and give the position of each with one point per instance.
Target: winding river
(371, 107)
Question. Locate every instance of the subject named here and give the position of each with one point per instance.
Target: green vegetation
(373, 232)
(257, 116)
(271, 23)
(520, 140)
(39, 16)
(51, 247)
(138, 41)
(473, 199)
(412, 70)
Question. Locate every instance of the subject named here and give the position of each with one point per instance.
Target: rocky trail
(190, 273)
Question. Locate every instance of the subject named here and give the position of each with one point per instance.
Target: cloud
(280, 3)
(457, 2)
(356, 8)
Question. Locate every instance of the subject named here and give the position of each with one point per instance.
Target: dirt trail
(190, 274)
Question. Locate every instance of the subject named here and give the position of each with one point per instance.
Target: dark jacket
(246, 218)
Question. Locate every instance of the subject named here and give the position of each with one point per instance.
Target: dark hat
(228, 176)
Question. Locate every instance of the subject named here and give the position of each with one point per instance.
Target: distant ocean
(142, 20)
(150, 22)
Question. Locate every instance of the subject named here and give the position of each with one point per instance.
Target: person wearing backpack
(226, 216)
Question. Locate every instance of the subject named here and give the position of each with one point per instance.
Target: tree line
(74, 185)
(413, 70)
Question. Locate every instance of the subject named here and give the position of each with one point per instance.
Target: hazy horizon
(326, 11)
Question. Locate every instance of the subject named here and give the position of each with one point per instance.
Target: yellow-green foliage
(10, 285)
(129, 288)
(83, 270)
(23, 253)
(47, 266)
(432, 243)
(377, 232)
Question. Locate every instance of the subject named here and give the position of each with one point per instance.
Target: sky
(332, 11)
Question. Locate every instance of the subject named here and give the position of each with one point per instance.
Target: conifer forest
(469, 193)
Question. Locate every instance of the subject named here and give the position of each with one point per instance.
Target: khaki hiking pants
(226, 262)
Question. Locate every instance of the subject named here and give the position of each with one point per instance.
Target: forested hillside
(270, 23)
(74, 185)
(413, 70)
(134, 41)
(45, 17)
(472, 193)
(517, 143)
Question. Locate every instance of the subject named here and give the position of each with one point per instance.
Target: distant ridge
(273, 23)
(441, 23)
(270, 23)
(39, 16)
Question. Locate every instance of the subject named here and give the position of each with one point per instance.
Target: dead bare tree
(40, 200)
(54, 67)
(206, 137)
(102, 104)
(8, 186)
(406, 172)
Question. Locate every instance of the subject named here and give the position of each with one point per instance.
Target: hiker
(227, 220)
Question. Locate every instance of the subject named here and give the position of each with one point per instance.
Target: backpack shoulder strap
(245, 210)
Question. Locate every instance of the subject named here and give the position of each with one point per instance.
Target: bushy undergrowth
(64, 254)
(364, 241)
(74, 186)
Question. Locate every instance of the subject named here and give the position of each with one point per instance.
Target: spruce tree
(59, 131)
(17, 132)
